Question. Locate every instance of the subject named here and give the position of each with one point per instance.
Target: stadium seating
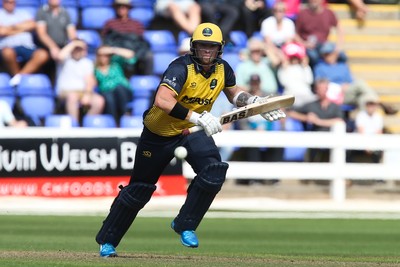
(92, 38)
(131, 121)
(99, 121)
(139, 106)
(161, 40)
(143, 3)
(95, 3)
(73, 14)
(7, 93)
(36, 96)
(94, 18)
(232, 58)
(161, 61)
(144, 85)
(143, 14)
(60, 121)
(32, 3)
(239, 38)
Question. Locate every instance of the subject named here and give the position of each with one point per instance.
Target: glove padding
(273, 115)
(210, 124)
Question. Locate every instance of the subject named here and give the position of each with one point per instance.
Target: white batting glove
(274, 115)
(210, 124)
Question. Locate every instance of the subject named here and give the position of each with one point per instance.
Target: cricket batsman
(188, 89)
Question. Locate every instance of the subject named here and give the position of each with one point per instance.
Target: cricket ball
(180, 152)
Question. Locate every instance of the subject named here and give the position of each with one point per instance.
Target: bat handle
(191, 130)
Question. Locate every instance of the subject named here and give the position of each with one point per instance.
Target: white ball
(180, 152)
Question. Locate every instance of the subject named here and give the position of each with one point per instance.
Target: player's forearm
(242, 99)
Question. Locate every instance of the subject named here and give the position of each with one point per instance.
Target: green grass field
(69, 241)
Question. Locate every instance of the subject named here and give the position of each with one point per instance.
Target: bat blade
(257, 108)
(265, 105)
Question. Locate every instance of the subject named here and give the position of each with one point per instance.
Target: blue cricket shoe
(107, 251)
(188, 237)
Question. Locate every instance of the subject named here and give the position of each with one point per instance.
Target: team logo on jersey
(213, 83)
(197, 100)
(207, 32)
(193, 85)
(146, 154)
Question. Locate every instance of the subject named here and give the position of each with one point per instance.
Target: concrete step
(371, 27)
(388, 72)
(369, 42)
(387, 12)
(384, 87)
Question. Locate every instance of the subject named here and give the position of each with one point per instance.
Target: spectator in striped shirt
(125, 32)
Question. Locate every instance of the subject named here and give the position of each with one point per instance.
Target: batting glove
(210, 124)
(273, 115)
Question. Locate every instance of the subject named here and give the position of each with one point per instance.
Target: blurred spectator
(54, 27)
(112, 82)
(258, 63)
(359, 7)
(313, 26)
(125, 32)
(368, 121)
(258, 123)
(278, 29)
(319, 115)
(7, 117)
(185, 13)
(224, 13)
(16, 42)
(253, 13)
(76, 81)
(295, 75)
(350, 91)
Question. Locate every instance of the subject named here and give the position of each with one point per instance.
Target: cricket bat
(262, 106)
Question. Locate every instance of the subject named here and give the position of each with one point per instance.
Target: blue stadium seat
(239, 38)
(60, 120)
(92, 39)
(37, 106)
(143, 3)
(161, 61)
(32, 3)
(7, 94)
(99, 121)
(181, 36)
(139, 106)
(4, 79)
(161, 40)
(95, 3)
(73, 14)
(232, 58)
(34, 84)
(294, 153)
(131, 121)
(143, 14)
(96, 17)
(144, 85)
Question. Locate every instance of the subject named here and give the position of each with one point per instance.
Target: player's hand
(210, 124)
(274, 115)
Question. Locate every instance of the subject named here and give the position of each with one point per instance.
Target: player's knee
(212, 177)
(135, 196)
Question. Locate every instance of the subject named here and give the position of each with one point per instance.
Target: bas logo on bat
(234, 117)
